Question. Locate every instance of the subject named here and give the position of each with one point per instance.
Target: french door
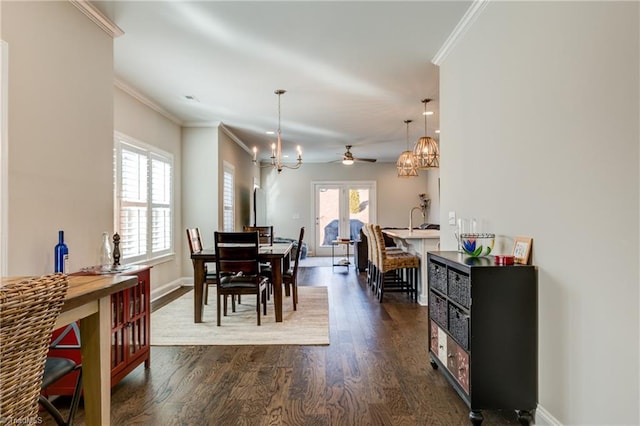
(341, 209)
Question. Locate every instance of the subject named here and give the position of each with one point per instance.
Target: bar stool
(54, 370)
(372, 242)
(30, 309)
(397, 270)
(370, 253)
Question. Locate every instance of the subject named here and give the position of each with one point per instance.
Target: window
(228, 224)
(143, 200)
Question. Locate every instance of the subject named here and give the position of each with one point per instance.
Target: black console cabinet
(483, 328)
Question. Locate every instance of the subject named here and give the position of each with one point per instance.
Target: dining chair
(30, 308)
(266, 233)
(290, 277)
(238, 269)
(195, 245)
(266, 237)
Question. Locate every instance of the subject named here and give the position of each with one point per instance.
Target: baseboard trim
(165, 289)
(543, 417)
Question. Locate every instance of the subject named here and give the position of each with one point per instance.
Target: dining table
(276, 254)
(88, 300)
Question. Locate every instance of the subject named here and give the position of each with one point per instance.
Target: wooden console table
(88, 300)
(129, 327)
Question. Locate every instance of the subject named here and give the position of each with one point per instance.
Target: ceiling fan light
(347, 161)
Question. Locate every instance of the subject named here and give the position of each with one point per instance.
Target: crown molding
(106, 24)
(219, 125)
(235, 138)
(465, 23)
(211, 124)
(146, 101)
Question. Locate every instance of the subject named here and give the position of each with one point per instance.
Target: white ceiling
(353, 71)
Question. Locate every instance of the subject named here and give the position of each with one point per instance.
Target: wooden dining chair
(195, 245)
(266, 233)
(29, 309)
(266, 237)
(290, 277)
(238, 269)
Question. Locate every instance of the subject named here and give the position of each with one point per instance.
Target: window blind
(228, 199)
(144, 210)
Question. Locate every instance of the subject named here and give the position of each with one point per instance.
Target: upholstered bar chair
(29, 309)
(398, 271)
(371, 252)
(54, 370)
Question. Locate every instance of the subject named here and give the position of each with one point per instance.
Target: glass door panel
(341, 209)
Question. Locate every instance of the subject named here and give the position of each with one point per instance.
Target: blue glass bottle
(61, 253)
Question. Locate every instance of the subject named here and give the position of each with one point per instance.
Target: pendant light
(426, 149)
(406, 162)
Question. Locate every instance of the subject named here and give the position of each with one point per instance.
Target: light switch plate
(452, 218)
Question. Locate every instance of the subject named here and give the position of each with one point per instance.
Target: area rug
(172, 325)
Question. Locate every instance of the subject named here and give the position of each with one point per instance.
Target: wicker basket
(438, 309)
(438, 277)
(459, 326)
(458, 290)
(28, 312)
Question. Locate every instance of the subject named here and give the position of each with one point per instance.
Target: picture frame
(522, 250)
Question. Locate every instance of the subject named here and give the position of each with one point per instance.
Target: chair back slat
(266, 233)
(297, 259)
(237, 252)
(195, 240)
(28, 312)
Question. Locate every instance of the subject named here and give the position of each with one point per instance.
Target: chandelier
(406, 162)
(426, 149)
(276, 148)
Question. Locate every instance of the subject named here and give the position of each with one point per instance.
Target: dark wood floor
(376, 371)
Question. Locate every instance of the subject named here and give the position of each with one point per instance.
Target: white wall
(60, 134)
(134, 119)
(539, 136)
(199, 185)
(245, 173)
(289, 194)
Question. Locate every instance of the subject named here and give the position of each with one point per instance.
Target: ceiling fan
(348, 158)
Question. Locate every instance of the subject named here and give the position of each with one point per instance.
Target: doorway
(341, 209)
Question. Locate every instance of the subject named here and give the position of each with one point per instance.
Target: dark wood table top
(276, 250)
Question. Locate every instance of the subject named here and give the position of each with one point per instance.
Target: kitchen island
(419, 242)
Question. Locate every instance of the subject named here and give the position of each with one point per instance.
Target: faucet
(411, 217)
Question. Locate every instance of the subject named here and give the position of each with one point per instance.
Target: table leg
(95, 335)
(198, 287)
(276, 270)
(333, 259)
